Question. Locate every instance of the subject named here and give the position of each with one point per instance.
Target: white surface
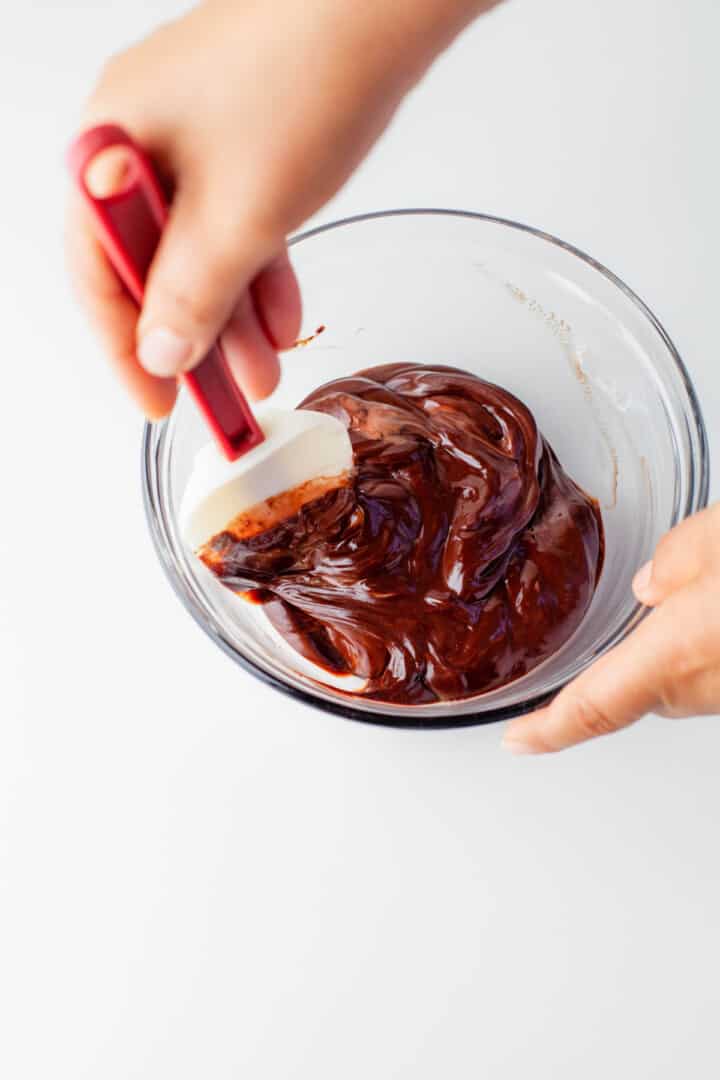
(298, 447)
(199, 878)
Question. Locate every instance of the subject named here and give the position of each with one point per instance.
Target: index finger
(112, 313)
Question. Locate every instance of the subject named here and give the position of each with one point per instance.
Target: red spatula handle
(129, 224)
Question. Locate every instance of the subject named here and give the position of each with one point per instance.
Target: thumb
(205, 261)
(612, 694)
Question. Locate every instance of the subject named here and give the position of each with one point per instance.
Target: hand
(669, 665)
(256, 113)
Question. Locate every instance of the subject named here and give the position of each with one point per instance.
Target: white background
(199, 878)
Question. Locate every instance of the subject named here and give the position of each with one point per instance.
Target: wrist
(408, 35)
(431, 25)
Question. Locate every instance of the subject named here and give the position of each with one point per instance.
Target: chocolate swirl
(459, 557)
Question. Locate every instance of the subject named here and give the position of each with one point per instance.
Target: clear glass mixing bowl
(517, 307)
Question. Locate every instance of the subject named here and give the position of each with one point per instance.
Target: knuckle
(257, 227)
(197, 307)
(223, 266)
(684, 664)
(670, 704)
(201, 289)
(687, 661)
(590, 720)
(694, 684)
(689, 625)
(676, 689)
(264, 227)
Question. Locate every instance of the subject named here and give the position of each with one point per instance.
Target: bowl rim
(696, 500)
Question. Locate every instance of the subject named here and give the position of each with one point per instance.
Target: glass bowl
(517, 307)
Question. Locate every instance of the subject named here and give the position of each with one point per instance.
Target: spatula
(293, 453)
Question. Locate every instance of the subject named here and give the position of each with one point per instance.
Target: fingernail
(163, 352)
(515, 745)
(641, 581)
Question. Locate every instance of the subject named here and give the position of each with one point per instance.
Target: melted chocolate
(458, 558)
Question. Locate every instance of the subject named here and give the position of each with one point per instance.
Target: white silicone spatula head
(304, 455)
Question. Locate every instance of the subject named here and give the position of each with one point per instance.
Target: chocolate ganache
(457, 557)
